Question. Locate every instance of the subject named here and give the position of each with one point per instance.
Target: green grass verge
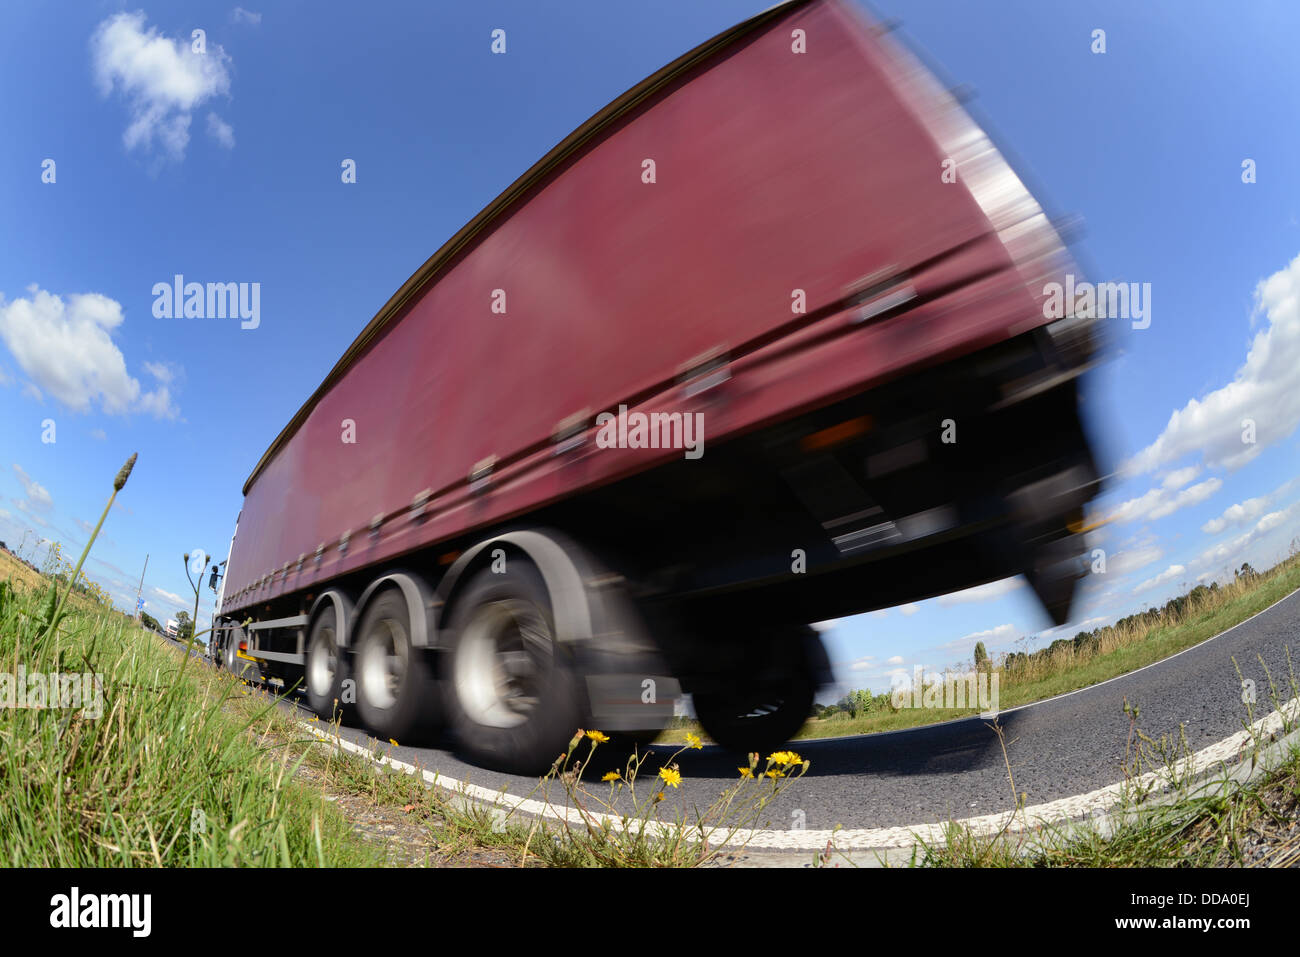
(154, 769)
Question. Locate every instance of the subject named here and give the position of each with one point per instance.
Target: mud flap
(1054, 574)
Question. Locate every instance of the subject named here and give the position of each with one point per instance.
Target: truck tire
(396, 695)
(756, 717)
(327, 667)
(512, 696)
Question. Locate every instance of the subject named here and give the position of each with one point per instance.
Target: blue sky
(229, 169)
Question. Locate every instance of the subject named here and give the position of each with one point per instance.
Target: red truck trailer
(761, 343)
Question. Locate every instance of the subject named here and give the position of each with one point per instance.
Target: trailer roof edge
(593, 125)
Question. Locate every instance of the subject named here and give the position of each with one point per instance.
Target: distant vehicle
(172, 625)
(501, 517)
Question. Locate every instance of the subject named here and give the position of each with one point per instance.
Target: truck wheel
(755, 717)
(228, 658)
(395, 689)
(513, 700)
(327, 668)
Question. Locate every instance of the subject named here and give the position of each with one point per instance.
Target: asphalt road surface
(1057, 748)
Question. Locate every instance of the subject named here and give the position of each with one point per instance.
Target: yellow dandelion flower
(694, 741)
(393, 743)
(611, 776)
(746, 772)
(775, 773)
(670, 777)
(598, 737)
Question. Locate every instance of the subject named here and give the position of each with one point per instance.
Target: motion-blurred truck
(764, 342)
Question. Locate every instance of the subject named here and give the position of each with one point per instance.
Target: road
(1057, 748)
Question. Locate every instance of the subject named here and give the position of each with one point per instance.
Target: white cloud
(1243, 513)
(163, 80)
(1267, 523)
(1168, 575)
(983, 592)
(221, 131)
(1161, 501)
(862, 664)
(895, 660)
(38, 497)
(1001, 634)
(1265, 389)
(1132, 559)
(172, 597)
(159, 370)
(1180, 477)
(1239, 514)
(1271, 521)
(66, 348)
(98, 434)
(240, 15)
(911, 608)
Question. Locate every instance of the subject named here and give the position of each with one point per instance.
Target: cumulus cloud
(161, 79)
(983, 592)
(1163, 501)
(167, 596)
(160, 371)
(1265, 390)
(1244, 513)
(1169, 574)
(67, 350)
(1180, 477)
(895, 660)
(1267, 523)
(1240, 514)
(1001, 634)
(38, 497)
(911, 608)
(221, 131)
(1130, 560)
(240, 15)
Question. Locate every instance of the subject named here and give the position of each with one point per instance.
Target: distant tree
(1245, 572)
(149, 621)
(855, 702)
(184, 627)
(981, 657)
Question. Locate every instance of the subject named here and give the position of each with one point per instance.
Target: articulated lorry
(762, 343)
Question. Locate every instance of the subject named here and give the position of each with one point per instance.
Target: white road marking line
(850, 839)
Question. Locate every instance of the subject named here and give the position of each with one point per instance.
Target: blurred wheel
(396, 695)
(756, 717)
(326, 668)
(513, 701)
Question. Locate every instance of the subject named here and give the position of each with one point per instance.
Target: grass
(1129, 645)
(584, 825)
(157, 760)
(158, 773)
